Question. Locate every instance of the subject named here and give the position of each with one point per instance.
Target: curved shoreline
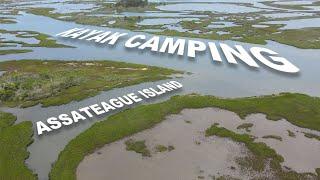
(197, 153)
(143, 117)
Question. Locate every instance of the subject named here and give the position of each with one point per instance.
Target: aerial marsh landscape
(227, 122)
(29, 82)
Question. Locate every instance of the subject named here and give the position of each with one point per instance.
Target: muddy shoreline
(195, 155)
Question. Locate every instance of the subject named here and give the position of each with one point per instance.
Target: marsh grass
(291, 134)
(245, 126)
(279, 138)
(30, 82)
(261, 155)
(311, 135)
(298, 109)
(138, 147)
(14, 140)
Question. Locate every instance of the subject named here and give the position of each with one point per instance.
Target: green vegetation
(30, 82)
(245, 126)
(261, 154)
(311, 135)
(260, 150)
(299, 109)
(307, 38)
(225, 177)
(83, 18)
(161, 148)
(7, 120)
(14, 51)
(279, 138)
(285, 6)
(291, 134)
(44, 40)
(187, 121)
(138, 147)
(5, 20)
(14, 140)
(170, 148)
(244, 31)
(132, 3)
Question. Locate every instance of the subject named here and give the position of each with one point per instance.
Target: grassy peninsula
(14, 140)
(261, 154)
(242, 30)
(301, 110)
(29, 82)
(21, 42)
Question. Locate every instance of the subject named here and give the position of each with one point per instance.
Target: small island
(132, 3)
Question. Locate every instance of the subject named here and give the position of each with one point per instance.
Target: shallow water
(163, 21)
(188, 160)
(222, 32)
(222, 24)
(207, 78)
(1, 73)
(294, 2)
(285, 15)
(297, 23)
(221, 8)
(63, 7)
(12, 37)
(213, 155)
(260, 26)
(160, 14)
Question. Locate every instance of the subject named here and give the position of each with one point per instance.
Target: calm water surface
(207, 78)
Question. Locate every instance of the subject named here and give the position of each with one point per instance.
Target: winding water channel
(208, 78)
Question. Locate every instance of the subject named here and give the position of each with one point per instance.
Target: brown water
(213, 156)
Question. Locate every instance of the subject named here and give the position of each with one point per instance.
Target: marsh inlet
(208, 78)
(195, 155)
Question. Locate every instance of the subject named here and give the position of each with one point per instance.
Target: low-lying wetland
(291, 150)
(29, 82)
(201, 150)
(14, 140)
(245, 21)
(246, 27)
(25, 39)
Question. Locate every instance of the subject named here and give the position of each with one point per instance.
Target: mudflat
(196, 156)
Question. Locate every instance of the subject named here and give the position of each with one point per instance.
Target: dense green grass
(311, 135)
(285, 6)
(305, 38)
(138, 147)
(279, 138)
(4, 20)
(14, 140)
(44, 41)
(7, 120)
(14, 51)
(108, 8)
(299, 109)
(291, 134)
(260, 150)
(261, 153)
(29, 82)
(161, 148)
(245, 126)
